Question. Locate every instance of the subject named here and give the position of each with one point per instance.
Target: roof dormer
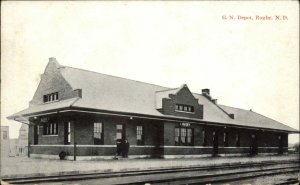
(179, 102)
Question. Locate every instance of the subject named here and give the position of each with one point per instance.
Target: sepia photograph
(150, 92)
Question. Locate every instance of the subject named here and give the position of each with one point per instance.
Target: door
(36, 135)
(280, 149)
(215, 144)
(158, 134)
(253, 145)
(121, 132)
(67, 133)
(120, 138)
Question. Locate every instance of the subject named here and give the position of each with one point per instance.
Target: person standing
(125, 148)
(119, 148)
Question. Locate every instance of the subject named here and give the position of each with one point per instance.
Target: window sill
(183, 145)
(184, 112)
(51, 101)
(49, 135)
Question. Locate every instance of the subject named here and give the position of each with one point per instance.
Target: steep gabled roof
(253, 119)
(165, 94)
(110, 93)
(105, 92)
(211, 111)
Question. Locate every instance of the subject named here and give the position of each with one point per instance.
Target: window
(98, 133)
(225, 139)
(214, 137)
(119, 131)
(189, 135)
(51, 97)
(237, 140)
(177, 135)
(184, 136)
(204, 138)
(69, 132)
(50, 129)
(184, 108)
(119, 127)
(139, 135)
(4, 135)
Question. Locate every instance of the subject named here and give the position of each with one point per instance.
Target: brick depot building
(83, 113)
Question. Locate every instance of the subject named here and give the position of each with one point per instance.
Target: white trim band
(145, 146)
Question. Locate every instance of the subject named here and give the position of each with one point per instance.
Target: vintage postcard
(149, 92)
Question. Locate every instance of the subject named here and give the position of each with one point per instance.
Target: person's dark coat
(125, 148)
(119, 147)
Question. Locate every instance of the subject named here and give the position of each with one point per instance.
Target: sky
(249, 64)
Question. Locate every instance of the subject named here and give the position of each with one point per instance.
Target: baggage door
(253, 145)
(215, 143)
(280, 149)
(36, 135)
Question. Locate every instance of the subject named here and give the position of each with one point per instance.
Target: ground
(266, 180)
(23, 166)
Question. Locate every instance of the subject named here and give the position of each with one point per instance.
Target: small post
(75, 151)
(28, 150)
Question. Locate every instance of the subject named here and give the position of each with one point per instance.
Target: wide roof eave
(24, 117)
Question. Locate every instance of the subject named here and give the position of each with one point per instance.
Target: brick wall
(140, 150)
(169, 133)
(51, 139)
(198, 138)
(159, 138)
(52, 81)
(84, 131)
(185, 97)
(168, 139)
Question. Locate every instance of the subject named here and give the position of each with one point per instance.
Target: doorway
(215, 143)
(280, 149)
(121, 132)
(253, 145)
(36, 134)
(67, 133)
(120, 138)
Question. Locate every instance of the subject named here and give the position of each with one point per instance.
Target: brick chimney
(205, 92)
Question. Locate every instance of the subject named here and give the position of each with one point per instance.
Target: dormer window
(184, 108)
(51, 97)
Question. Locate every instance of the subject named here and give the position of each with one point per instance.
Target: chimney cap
(52, 59)
(206, 91)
